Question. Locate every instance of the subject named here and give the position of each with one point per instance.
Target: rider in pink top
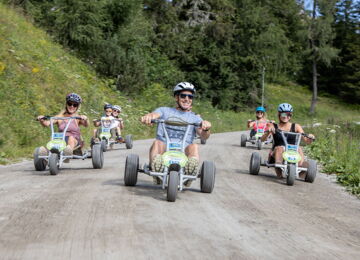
(260, 122)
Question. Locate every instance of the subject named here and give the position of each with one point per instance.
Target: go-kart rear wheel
(259, 144)
(311, 171)
(291, 174)
(97, 156)
(104, 145)
(39, 163)
(172, 187)
(207, 176)
(54, 163)
(128, 142)
(243, 140)
(255, 162)
(131, 170)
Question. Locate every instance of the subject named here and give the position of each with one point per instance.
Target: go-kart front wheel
(255, 162)
(104, 145)
(128, 142)
(97, 156)
(54, 163)
(311, 171)
(207, 176)
(243, 140)
(131, 170)
(203, 141)
(259, 144)
(173, 185)
(39, 163)
(291, 174)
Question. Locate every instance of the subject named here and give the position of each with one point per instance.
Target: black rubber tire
(255, 162)
(131, 169)
(259, 144)
(97, 156)
(202, 141)
(128, 142)
(311, 171)
(104, 145)
(39, 163)
(243, 140)
(291, 174)
(172, 187)
(54, 164)
(207, 176)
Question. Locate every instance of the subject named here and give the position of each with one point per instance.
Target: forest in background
(221, 46)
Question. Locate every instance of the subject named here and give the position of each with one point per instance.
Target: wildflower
(35, 70)
(333, 131)
(316, 124)
(2, 67)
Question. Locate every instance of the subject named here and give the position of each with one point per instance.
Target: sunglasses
(186, 95)
(116, 111)
(108, 110)
(72, 104)
(259, 112)
(285, 114)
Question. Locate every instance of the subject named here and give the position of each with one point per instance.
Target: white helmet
(285, 107)
(117, 107)
(184, 86)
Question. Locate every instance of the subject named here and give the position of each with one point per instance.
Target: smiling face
(285, 117)
(108, 111)
(259, 114)
(72, 107)
(184, 100)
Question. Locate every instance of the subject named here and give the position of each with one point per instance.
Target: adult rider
(285, 112)
(260, 121)
(72, 136)
(184, 93)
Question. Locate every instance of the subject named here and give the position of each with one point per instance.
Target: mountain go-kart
(256, 138)
(291, 157)
(104, 138)
(56, 146)
(173, 177)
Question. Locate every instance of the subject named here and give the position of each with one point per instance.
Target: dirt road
(84, 213)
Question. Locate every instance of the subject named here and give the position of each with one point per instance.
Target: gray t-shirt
(176, 133)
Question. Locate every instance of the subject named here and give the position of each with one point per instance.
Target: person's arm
(84, 121)
(250, 123)
(43, 121)
(204, 130)
(96, 122)
(269, 131)
(121, 123)
(146, 119)
(299, 129)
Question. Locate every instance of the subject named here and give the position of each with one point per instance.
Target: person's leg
(277, 154)
(302, 163)
(192, 165)
(157, 149)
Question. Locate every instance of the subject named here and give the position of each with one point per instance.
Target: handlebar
(175, 123)
(302, 134)
(58, 118)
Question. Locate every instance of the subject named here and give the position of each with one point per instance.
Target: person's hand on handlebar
(41, 118)
(148, 117)
(83, 117)
(205, 125)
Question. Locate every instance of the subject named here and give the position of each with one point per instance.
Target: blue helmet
(262, 109)
(285, 107)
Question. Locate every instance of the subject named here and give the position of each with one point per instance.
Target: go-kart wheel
(39, 163)
(172, 187)
(202, 141)
(255, 162)
(291, 174)
(104, 145)
(207, 176)
(54, 163)
(97, 156)
(259, 144)
(243, 140)
(131, 170)
(128, 142)
(311, 171)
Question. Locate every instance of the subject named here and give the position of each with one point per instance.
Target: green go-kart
(291, 157)
(173, 177)
(55, 157)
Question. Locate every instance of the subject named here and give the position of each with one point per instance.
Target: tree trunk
(314, 94)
